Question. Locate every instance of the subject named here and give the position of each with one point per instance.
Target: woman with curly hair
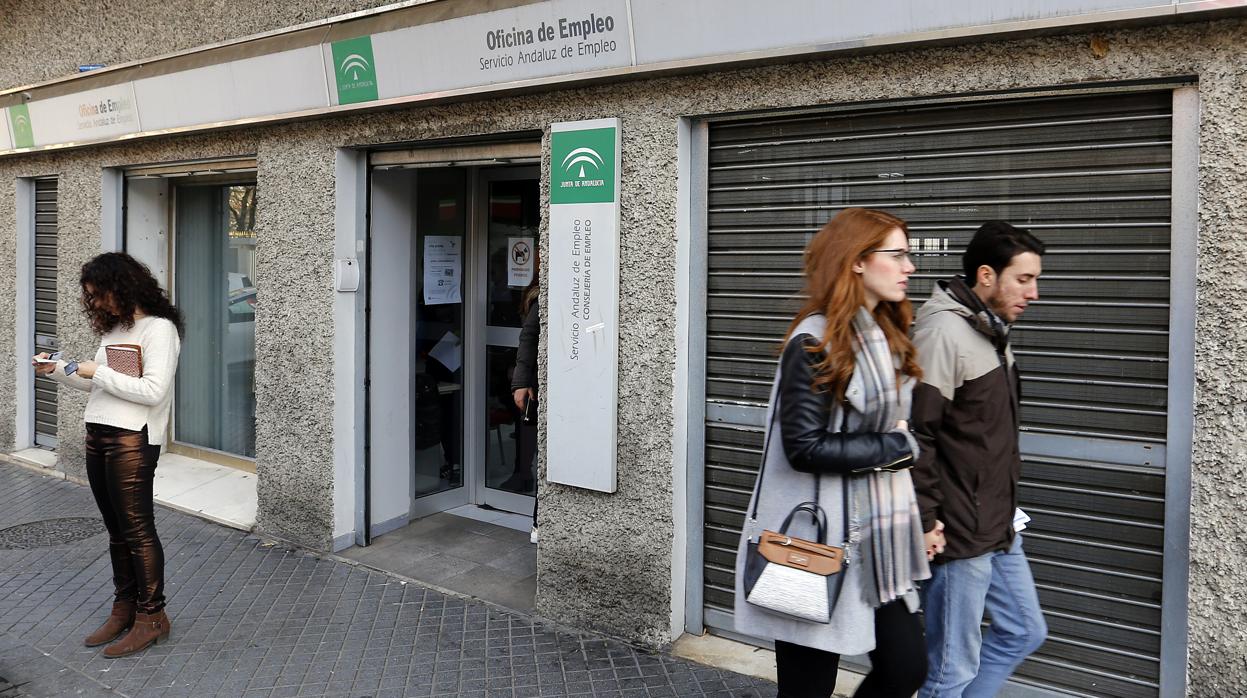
(127, 418)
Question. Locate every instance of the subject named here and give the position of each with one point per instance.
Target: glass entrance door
(508, 218)
(442, 226)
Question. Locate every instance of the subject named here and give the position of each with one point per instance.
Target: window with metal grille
(45, 305)
(1090, 175)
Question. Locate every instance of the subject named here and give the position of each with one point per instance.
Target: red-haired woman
(839, 407)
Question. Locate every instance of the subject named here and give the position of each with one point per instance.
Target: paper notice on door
(520, 261)
(447, 352)
(443, 269)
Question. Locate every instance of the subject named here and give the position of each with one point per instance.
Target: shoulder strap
(766, 447)
(818, 478)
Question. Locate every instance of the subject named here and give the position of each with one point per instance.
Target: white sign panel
(535, 41)
(583, 268)
(521, 253)
(84, 116)
(737, 27)
(443, 269)
(520, 43)
(277, 83)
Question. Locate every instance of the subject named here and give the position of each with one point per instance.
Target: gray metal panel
(45, 304)
(1091, 175)
(694, 621)
(1174, 602)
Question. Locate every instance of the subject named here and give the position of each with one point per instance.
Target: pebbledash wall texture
(605, 560)
(71, 34)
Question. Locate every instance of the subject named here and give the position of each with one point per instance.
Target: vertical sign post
(583, 271)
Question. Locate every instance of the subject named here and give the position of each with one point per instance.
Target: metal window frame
(693, 363)
(478, 173)
(24, 436)
(1181, 387)
(241, 177)
(351, 351)
(1184, 241)
(477, 334)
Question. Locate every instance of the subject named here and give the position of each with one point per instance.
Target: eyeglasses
(900, 254)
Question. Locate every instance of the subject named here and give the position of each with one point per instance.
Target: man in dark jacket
(965, 416)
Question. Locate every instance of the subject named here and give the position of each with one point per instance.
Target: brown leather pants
(121, 467)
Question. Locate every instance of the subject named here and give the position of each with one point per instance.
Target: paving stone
(262, 620)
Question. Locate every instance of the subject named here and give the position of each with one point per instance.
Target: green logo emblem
(582, 166)
(355, 70)
(23, 134)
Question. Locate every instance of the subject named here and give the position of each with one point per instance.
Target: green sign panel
(582, 166)
(355, 70)
(23, 134)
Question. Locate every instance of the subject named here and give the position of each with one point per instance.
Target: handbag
(793, 576)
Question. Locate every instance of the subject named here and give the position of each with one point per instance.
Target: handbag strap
(815, 511)
(818, 478)
(766, 447)
(844, 486)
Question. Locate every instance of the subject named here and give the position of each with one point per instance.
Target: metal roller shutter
(1091, 176)
(45, 305)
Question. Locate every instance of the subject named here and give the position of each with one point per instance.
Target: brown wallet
(126, 359)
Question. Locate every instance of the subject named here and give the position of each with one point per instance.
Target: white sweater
(126, 402)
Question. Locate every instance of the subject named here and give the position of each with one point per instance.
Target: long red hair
(836, 292)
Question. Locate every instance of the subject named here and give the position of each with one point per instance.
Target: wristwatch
(71, 367)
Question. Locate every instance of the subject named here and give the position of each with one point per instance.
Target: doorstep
(497, 517)
(36, 456)
(483, 554)
(210, 491)
(743, 658)
(215, 492)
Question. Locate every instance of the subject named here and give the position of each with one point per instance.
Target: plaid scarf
(892, 544)
(983, 319)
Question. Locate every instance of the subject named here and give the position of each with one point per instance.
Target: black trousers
(898, 662)
(121, 467)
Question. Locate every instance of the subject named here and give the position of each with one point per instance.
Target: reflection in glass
(214, 280)
(514, 217)
(508, 465)
(440, 212)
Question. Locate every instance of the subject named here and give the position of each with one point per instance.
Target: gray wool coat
(852, 627)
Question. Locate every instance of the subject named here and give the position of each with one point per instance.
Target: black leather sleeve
(803, 423)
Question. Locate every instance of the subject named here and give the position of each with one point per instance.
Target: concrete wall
(604, 560)
(45, 39)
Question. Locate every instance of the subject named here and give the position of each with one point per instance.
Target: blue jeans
(963, 661)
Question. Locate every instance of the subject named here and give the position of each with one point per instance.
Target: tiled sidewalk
(259, 620)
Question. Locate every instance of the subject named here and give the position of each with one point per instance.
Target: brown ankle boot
(148, 629)
(118, 622)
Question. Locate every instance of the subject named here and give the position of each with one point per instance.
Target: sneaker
(532, 536)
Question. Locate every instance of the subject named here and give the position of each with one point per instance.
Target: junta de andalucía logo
(355, 70)
(582, 157)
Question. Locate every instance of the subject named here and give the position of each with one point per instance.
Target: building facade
(304, 219)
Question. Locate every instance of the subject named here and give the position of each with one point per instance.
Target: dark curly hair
(132, 288)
